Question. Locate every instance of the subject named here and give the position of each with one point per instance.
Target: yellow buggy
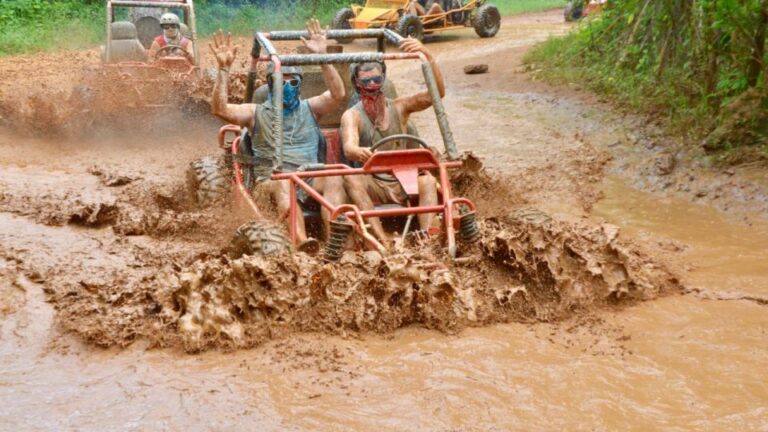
(394, 15)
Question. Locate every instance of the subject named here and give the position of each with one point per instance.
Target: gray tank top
(370, 134)
(301, 138)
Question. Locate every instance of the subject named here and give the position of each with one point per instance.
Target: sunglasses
(368, 81)
(167, 26)
(293, 82)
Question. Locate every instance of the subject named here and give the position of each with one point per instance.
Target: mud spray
(526, 267)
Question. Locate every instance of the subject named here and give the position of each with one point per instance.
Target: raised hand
(317, 42)
(223, 49)
(412, 45)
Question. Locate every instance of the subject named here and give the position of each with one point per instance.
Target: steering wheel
(396, 137)
(170, 47)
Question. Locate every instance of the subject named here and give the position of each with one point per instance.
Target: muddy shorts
(386, 191)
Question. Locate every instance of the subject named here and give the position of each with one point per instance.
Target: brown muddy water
(684, 362)
(691, 361)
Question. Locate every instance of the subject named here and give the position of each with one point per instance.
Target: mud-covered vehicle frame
(393, 14)
(457, 214)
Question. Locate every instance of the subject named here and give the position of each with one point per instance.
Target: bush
(39, 25)
(684, 61)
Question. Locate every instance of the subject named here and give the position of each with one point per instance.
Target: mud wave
(525, 268)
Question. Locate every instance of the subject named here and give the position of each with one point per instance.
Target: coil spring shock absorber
(468, 229)
(337, 239)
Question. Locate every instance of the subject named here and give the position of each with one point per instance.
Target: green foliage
(510, 7)
(37, 25)
(45, 25)
(685, 61)
(243, 17)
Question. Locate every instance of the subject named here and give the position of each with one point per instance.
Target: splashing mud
(104, 100)
(527, 267)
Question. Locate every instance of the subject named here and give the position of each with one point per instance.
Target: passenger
(301, 134)
(374, 118)
(172, 37)
(424, 7)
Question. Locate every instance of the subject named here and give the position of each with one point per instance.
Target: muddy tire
(572, 12)
(259, 238)
(341, 22)
(458, 17)
(410, 25)
(209, 180)
(487, 21)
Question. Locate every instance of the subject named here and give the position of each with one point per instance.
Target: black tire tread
(485, 14)
(209, 180)
(341, 17)
(404, 22)
(260, 238)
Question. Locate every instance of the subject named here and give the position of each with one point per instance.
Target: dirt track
(621, 294)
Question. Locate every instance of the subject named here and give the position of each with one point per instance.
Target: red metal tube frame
(222, 135)
(446, 208)
(239, 181)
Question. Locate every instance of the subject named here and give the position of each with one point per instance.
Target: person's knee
(281, 194)
(333, 183)
(427, 182)
(354, 184)
(334, 190)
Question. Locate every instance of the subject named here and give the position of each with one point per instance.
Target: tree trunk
(711, 42)
(758, 49)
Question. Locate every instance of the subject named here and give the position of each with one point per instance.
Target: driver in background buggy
(302, 139)
(172, 43)
(375, 117)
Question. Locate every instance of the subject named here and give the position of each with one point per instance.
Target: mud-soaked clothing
(302, 139)
(384, 188)
(303, 143)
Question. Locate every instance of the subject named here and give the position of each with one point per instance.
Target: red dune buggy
(262, 236)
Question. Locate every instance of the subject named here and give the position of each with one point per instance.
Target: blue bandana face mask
(291, 95)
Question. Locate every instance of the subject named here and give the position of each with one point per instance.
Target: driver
(375, 117)
(172, 38)
(301, 134)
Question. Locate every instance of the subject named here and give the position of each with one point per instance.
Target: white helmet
(169, 18)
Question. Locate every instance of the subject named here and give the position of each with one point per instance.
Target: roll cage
(263, 42)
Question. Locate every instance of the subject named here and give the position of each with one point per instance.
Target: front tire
(341, 22)
(262, 238)
(487, 21)
(209, 180)
(410, 25)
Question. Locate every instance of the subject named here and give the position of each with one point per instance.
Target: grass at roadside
(512, 7)
(39, 25)
(44, 25)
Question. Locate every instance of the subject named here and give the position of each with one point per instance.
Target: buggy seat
(125, 45)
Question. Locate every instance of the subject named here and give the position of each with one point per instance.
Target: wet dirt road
(691, 361)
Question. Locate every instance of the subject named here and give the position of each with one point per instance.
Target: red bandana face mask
(372, 98)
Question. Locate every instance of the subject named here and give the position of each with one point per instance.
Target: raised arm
(420, 101)
(239, 114)
(350, 137)
(329, 100)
